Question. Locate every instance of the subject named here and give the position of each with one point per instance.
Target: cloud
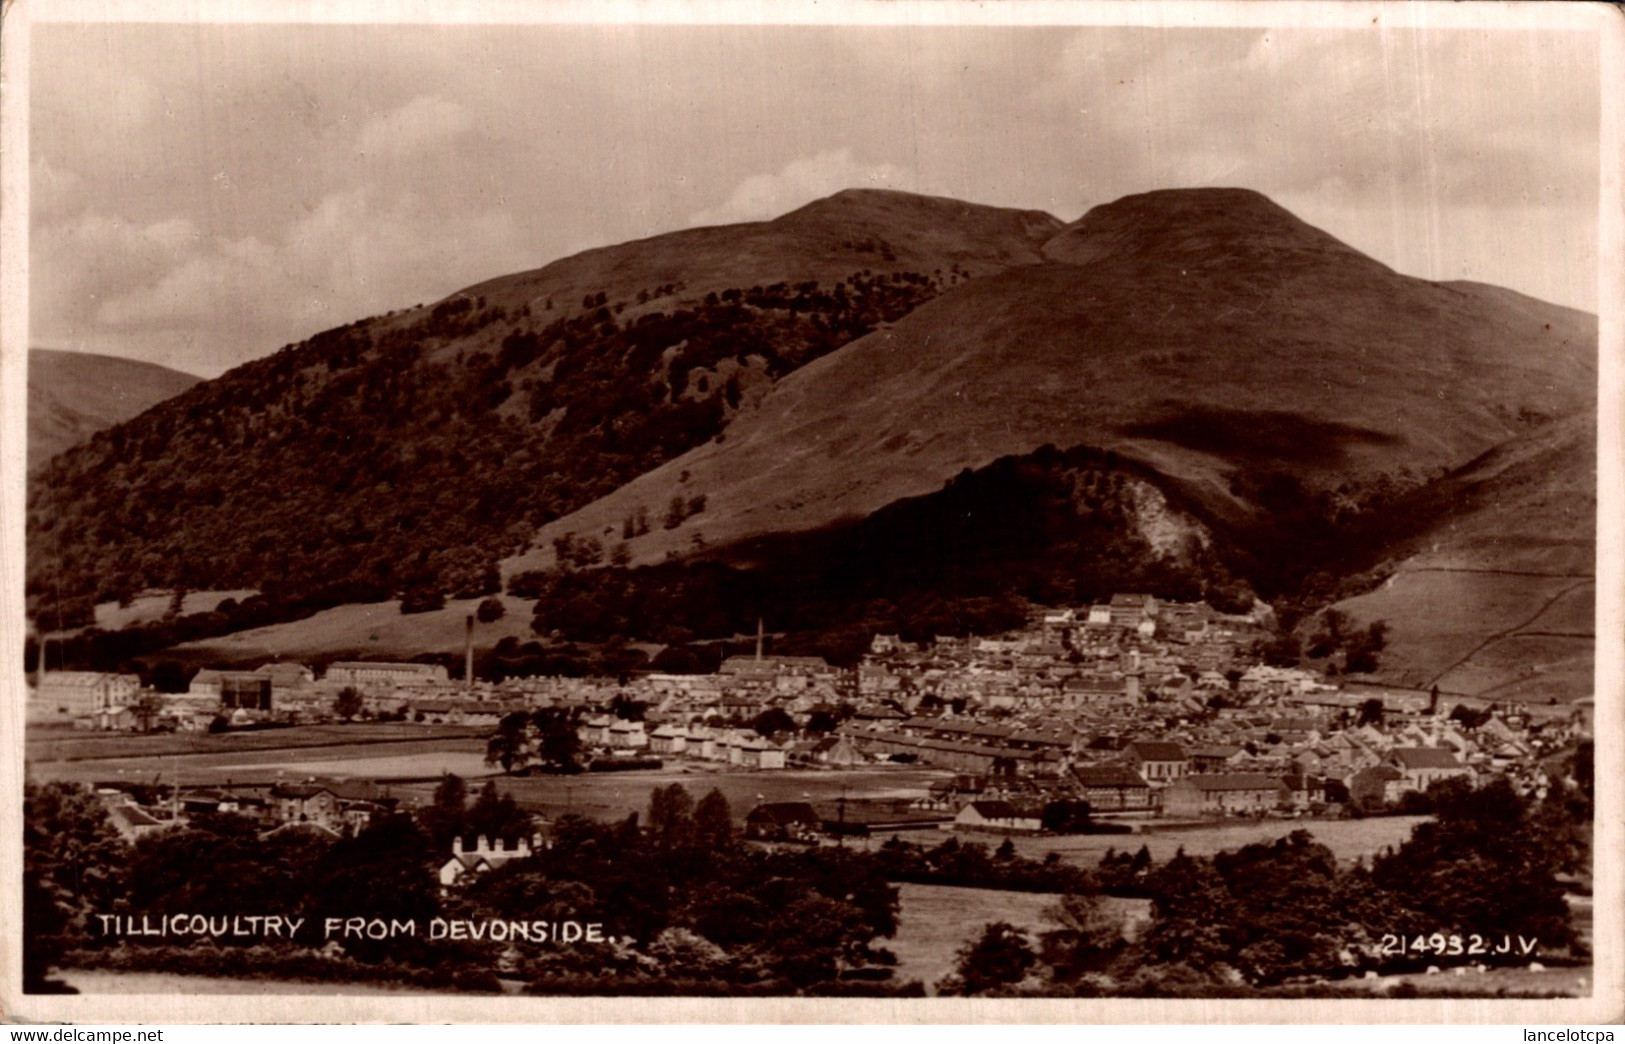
(239, 187)
(763, 196)
(421, 125)
(356, 252)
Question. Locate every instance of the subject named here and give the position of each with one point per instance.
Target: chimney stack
(758, 639)
(468, 656)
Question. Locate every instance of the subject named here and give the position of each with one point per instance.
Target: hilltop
(1243, 364)
(73, 395)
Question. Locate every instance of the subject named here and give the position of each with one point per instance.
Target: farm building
(783, 821)
(998, 816)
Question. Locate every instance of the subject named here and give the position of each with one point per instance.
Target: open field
(936, 920)
(1444, 626)
(351, 751)
(615, 795)
(1527, 668)
(373, 630)
(1513, 982)
(1348, 839)
(110, 616)
(63, 744)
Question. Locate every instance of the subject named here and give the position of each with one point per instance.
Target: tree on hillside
(169, 676)
(677, 659)
(998, 959)
(1361, 647)
(1329, 636)
(348, 703)
(422, 599)
(490, 610)
(1087, 936)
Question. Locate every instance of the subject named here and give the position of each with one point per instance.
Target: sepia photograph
(854, 505)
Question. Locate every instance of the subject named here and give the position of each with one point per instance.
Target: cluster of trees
(97, 649)
(1052, 527)
(1359, 647)
(681, 509)
(368, 460)
(686, 907)
(972, 864)
(492, 815)
(545, 739)
(1255, 918)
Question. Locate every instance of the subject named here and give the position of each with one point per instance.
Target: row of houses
(737, 747)
(997, 758)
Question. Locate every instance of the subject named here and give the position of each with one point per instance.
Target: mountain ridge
(1035, 342)
(73, 395)
(1254, 393)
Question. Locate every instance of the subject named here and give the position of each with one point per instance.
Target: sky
(202, 194)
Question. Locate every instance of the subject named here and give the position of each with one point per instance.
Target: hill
(1256, 367)
(1495, 597)
(887, 412)
(73, 395)
(405, 454)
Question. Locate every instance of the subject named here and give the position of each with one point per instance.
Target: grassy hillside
(73, 395)
(1255, 366)
(366, 631)
(1495, 597)
(404, 455)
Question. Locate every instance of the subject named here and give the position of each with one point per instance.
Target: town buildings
(1139, 707)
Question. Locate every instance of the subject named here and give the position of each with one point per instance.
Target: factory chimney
(468, 655)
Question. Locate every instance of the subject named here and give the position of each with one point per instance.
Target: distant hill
(73, 395)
